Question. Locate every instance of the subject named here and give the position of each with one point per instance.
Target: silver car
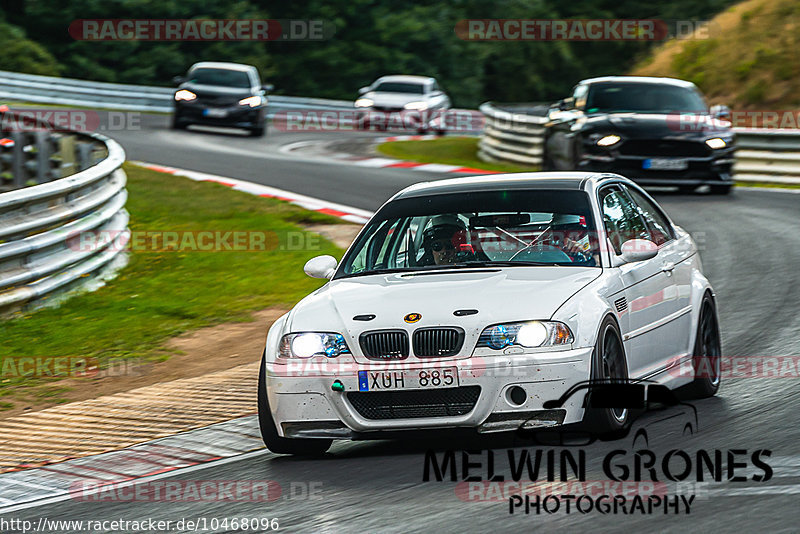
(404, 102)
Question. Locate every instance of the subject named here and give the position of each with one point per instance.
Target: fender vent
(621, 304)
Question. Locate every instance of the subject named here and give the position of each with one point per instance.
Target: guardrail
(101, 95)
(515, 134)
(42, 227)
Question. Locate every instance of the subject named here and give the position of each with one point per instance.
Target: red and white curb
(381, 162)
(194, 450)
(347, 213)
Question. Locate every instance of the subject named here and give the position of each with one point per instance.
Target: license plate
(216, 113)
(665, 164)
(414, 379)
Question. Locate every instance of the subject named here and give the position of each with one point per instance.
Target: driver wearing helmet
(444, 241)
(571, 234)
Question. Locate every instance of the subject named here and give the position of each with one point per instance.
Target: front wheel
(259, 130)
(608, 365)
(269, 432)
(707, 353)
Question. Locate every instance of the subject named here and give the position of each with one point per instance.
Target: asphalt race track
(751, 253)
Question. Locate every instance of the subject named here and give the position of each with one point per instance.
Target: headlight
(183, 94)
(419, 106)
(526, 334)
(252, 101)
(716, 142)
(364, 103)
(608, 140)
(308, 344)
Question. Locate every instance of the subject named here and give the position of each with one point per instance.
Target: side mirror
(635, 250)
(321, 267)
(566, 103)
(177, 80)
(268, 87)
(720, 112)
(363, 90)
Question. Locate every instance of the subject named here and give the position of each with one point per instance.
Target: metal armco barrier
(101, 95)
(515, 135)
(43, 228)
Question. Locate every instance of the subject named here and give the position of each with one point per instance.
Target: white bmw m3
(469, 303)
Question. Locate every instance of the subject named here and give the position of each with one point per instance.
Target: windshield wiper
(502, 263)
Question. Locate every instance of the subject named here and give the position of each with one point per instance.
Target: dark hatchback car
(655, 131)
(221, 94)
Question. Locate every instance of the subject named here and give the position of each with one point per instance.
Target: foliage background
(373, 38)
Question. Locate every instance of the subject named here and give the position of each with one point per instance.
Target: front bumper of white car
(306, 404)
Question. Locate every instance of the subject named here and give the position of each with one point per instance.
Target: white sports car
(469, 303)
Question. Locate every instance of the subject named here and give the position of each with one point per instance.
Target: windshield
(221, 77)
(400, 87)
(643, 98)
(477, 229)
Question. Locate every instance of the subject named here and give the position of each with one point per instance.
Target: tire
(259, 130)
(706, 354)
(608, 362)
(269, 432)
(721, 189)
(177, 124)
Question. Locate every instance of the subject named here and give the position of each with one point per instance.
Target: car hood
(656, 125)
(498, 295)
(394, 100)
(216, 90)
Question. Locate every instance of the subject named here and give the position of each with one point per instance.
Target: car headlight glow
(252, 101)
(608, 140)
(419, 106)
(716, 142)
(184, 94)
(309, 344)
(528, 334)
(364, 103)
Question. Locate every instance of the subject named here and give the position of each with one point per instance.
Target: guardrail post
(67, 150)
(18, 168)
(85, 159)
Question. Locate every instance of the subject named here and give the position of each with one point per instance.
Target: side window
(660, 229)
(435, 86)
(621, 218)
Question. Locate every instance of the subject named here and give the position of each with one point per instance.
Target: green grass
(162, 294)
(461, 151)
(768, 184)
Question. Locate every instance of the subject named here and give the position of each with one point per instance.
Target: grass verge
(461, 151)
(162, 294)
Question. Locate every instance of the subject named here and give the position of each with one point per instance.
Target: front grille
(447, 402)
(438, 342)
(387, 109)
(656, 148)
(218, 100)
(385, 344)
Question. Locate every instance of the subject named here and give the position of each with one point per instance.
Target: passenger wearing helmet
(445, 241)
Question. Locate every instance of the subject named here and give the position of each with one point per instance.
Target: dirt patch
(194, 354)
(200, 352)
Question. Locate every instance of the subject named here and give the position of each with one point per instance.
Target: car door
(677, 255)
(647, 297)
